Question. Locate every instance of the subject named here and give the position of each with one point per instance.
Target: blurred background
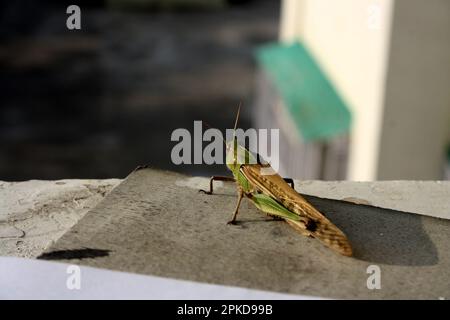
(360, 89)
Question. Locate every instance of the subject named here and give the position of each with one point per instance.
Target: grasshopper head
(236, 155)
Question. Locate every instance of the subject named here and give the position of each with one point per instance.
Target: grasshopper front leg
(215, 178)
(240, 196)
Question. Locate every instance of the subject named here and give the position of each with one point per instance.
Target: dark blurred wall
(96, 103)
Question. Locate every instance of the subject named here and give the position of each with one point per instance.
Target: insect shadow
(381, 235)
(83, 253)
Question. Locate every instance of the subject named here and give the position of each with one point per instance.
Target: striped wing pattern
(319, 227)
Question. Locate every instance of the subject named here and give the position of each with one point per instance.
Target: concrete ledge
(34, 214)
(430, 198)
(156, 223)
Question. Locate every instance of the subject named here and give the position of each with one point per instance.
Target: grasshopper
(274, 196)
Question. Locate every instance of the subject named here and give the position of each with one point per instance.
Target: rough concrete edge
(326, 190)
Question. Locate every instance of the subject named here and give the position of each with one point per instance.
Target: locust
(276, 196)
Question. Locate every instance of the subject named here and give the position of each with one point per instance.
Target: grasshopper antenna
(237, 116)
(236, 121)
(235, 125)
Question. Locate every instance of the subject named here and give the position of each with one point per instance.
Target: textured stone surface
(157, 223)
(35, 213)
(430, 198)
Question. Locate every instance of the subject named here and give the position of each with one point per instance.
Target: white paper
(37, 279)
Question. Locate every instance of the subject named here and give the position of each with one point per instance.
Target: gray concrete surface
(430, 198)
(35, 213)
(157, 223)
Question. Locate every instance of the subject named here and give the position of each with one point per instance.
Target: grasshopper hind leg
(236, 211)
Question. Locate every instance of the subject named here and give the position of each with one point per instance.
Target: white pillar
(390, 60)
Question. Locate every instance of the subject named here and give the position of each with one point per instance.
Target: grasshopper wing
(319, 227)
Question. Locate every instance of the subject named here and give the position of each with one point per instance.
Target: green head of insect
(237, 155)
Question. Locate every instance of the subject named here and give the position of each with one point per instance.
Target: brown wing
(321, 228)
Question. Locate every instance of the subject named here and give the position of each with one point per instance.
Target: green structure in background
(316, 108)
